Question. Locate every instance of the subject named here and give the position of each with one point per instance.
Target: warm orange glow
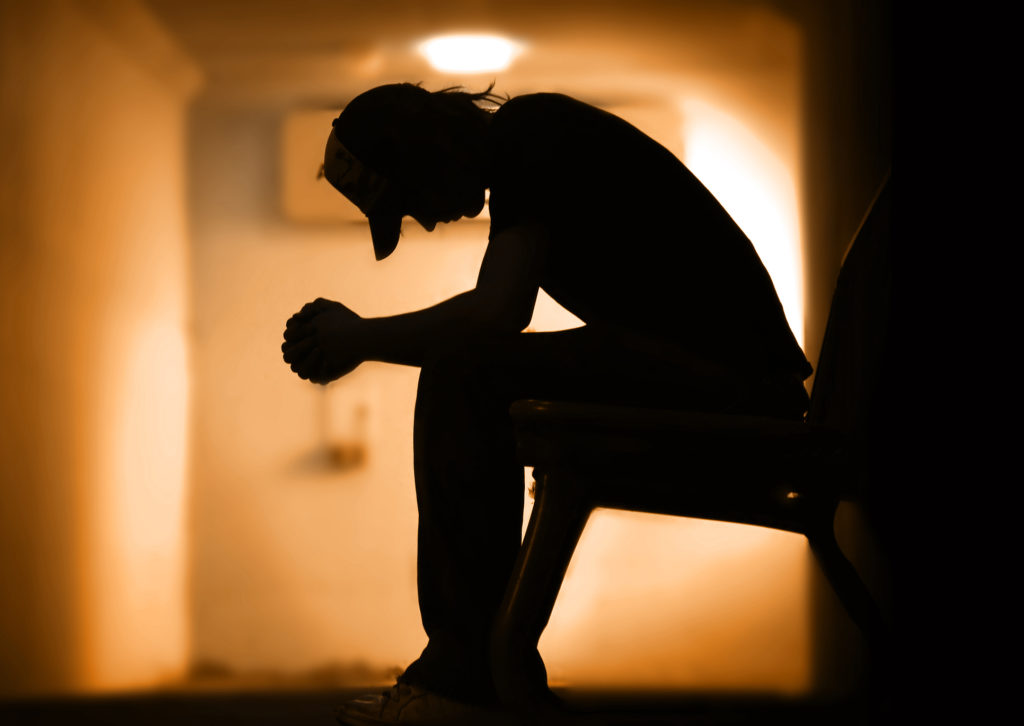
(665, 602)
(757, 189)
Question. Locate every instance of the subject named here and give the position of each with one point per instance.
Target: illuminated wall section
(94, 293)
(759, 191)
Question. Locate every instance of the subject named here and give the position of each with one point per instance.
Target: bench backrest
(848, 382)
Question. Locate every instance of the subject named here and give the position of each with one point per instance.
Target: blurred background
(177, 508)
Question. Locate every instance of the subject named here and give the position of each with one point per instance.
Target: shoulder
(529, 158)
(533, 103)
(542, 127)
(552, 116)
(567, 126)
(541, 108)
(528, 132)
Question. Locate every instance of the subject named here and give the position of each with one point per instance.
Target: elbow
(502, 318)
(516, 322)
(509, 322)
(515, 316)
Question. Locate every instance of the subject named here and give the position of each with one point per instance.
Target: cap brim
(385, 230)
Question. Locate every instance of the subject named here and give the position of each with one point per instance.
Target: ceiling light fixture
(470, 53)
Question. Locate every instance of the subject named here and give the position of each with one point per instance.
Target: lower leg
(469, 492)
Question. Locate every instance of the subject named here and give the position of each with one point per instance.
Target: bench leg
(862, 609)
(849, 587)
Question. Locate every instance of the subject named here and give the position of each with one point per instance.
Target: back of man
(635, 240)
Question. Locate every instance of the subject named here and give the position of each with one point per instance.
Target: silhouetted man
(678, 312)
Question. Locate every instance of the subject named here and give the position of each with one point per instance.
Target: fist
(320, 341)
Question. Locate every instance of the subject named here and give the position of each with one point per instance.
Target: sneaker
(408, 704)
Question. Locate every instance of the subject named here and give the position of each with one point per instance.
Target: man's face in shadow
(447, 185)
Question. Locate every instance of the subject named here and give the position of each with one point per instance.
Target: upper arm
(506, 289)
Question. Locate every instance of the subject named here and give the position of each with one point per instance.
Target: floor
(316, 708)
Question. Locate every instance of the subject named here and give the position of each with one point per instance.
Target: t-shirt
(635, 240)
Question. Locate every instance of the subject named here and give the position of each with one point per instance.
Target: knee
(445, 368)
(461, 415)
(466, 380)
(446, 376)
(460, 365)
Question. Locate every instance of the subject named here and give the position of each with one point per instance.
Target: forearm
(325, 340)
(405, 339)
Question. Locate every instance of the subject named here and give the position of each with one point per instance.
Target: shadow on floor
(316, 708)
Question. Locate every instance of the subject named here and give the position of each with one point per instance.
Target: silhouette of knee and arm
(679, 312)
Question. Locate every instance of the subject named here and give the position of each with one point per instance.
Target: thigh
(582, 364)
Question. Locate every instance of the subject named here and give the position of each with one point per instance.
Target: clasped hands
(320, 341)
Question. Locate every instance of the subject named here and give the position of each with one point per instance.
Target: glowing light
(470, 53)
(758, 191)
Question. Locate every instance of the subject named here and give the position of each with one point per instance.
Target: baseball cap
(368, 190)
(362, 155)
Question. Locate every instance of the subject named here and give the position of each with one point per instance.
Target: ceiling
(610, 53)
